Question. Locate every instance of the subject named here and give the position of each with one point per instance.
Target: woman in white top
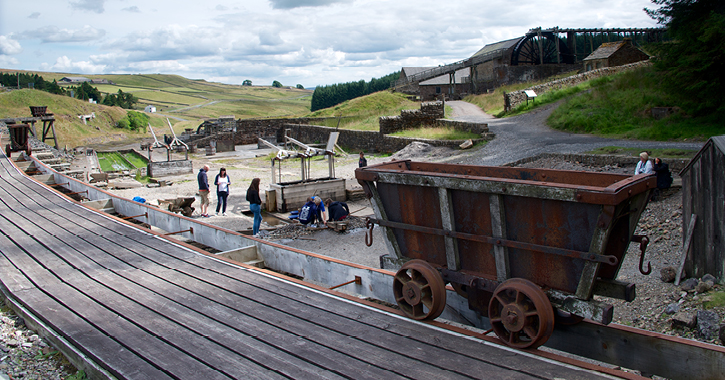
(222, 183)
(644, 166)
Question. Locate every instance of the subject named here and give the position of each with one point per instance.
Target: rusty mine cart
(524, 246)
(19, 140)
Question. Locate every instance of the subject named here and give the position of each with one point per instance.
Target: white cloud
(65, 64)
(54, 34)
(88, 5)
(34, 15)
(288, 4)
(9, 46)
(293, 41)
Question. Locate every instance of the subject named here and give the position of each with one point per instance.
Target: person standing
(222, 183)
(644, 166)
(204, 190)
(255, 204)
(363, 162)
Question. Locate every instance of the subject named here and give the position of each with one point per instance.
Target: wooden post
(685, 248)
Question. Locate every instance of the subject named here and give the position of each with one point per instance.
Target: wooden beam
(686, 248)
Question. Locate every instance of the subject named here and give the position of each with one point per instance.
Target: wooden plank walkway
(142, 307)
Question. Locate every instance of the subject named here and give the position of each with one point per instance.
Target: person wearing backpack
(309, 213)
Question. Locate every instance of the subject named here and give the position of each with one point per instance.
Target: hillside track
(527, 135)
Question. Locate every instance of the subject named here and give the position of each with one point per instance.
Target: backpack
(308, 212)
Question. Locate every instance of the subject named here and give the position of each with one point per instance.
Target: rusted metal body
(18, 139)
(565, 231)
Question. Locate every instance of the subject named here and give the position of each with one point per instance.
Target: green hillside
(185, 101)
(362, 113)
(70, 129)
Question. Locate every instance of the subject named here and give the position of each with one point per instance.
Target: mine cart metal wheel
(420, 290)
(521, 314)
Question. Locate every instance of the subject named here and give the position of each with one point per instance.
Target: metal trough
(523, 245)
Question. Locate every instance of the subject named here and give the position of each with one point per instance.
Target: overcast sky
(310, 42)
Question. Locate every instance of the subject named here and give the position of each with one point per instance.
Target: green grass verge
(436, 133)
(634, 152)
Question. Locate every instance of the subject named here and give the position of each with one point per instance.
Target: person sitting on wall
(664, 177)
(309, 213)
(338, 210)
(644, 166)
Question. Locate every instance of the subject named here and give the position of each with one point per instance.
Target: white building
(150, 109)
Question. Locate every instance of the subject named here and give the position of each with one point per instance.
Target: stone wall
(501, 75)
(167, 168)
(516, 98)
(369, 141)
(301, 129)
(428, 113)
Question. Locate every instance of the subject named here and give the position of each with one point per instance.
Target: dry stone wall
(428, 113)
(516, 98)
(248, 131)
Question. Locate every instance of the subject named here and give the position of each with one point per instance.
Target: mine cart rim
(528, 314)
(424, 286)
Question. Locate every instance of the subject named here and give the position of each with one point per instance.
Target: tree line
(692, 64)
(83, 92)
(331, 95)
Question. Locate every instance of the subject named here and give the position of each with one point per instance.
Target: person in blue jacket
(309, 213)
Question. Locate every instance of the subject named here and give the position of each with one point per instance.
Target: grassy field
(620, 106)
(187, 102)
(363, 113)
(492, 103)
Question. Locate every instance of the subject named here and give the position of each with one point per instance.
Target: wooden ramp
(139, 306)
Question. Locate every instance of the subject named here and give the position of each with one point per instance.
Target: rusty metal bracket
(77, 192)
(643, 240)
(191, 229)
(357, 281)
(607, 259)
(58, 184)
(369, 224)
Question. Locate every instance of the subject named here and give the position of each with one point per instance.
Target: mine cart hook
(643, 241)
(369, 224)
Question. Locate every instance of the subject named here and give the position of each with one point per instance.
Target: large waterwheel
(541, 48)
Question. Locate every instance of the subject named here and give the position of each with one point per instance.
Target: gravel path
(527, 135)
